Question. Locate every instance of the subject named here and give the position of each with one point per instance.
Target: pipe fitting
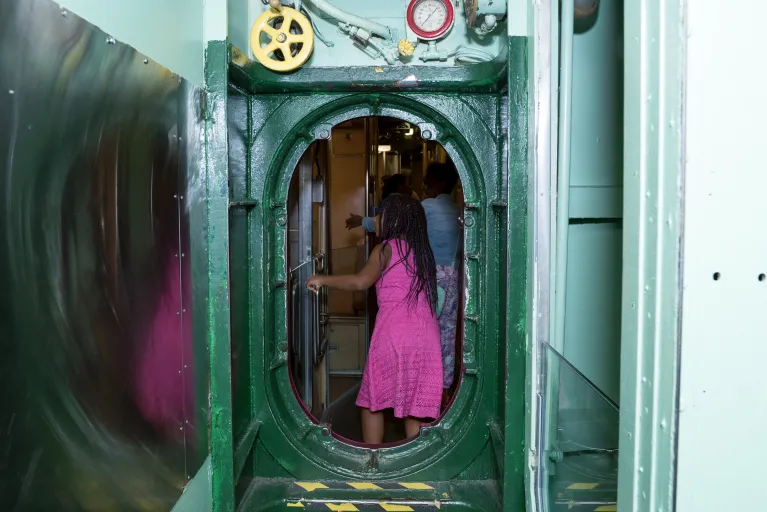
(357, 21)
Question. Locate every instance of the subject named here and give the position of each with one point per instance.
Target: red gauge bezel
(437, 33)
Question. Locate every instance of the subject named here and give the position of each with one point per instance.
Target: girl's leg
(372, 426)
(412, 427)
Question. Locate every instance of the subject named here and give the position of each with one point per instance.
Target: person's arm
(358, 282)
(369, 223)
(355, 221)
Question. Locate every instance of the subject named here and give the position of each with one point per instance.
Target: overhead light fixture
(384, 149)
(409, 133)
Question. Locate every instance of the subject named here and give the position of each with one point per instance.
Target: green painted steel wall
(214, 230)
(517, 255)
(592, 310)
(275, 132)
(168, 31)
(280, 129)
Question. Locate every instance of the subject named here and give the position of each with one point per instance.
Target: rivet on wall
(717, 275)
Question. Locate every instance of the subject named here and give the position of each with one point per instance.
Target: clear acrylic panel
(583, 440)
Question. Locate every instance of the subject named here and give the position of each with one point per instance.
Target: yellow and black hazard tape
(364, 486)
(582, 486)
(385, 506)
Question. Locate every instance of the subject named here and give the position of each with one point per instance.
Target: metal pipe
(563, 170)
(352, 19)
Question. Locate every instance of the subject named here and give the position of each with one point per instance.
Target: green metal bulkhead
(278, 129)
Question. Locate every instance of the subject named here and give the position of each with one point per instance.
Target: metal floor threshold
(353, 496)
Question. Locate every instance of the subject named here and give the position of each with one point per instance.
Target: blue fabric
(442, 227)
(368, 223)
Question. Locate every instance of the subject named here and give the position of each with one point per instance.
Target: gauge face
(430, 19)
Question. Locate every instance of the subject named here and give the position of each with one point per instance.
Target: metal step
(352, 496)
(588, 482)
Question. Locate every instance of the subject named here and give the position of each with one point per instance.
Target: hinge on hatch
(203, 105)
(247, 204)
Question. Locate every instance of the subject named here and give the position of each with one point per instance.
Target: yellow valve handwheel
(294, 49)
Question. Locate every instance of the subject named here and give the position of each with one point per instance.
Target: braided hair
(404, 220)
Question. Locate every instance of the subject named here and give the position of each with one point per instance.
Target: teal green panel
(596, 158)
(592, 309)
(198, 494)
(596, 202)
(593, 316)
(170, 32)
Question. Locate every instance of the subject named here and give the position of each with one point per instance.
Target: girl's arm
(358, 282)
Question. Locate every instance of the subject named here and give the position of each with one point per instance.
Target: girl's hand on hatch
(314, 283)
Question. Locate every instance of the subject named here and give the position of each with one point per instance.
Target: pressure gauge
(430, 19)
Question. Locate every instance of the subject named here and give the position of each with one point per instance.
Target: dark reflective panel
(104, 401)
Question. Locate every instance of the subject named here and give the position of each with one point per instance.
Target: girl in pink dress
(404, 366)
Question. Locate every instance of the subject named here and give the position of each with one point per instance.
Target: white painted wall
(167, 31)
(723, 408)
